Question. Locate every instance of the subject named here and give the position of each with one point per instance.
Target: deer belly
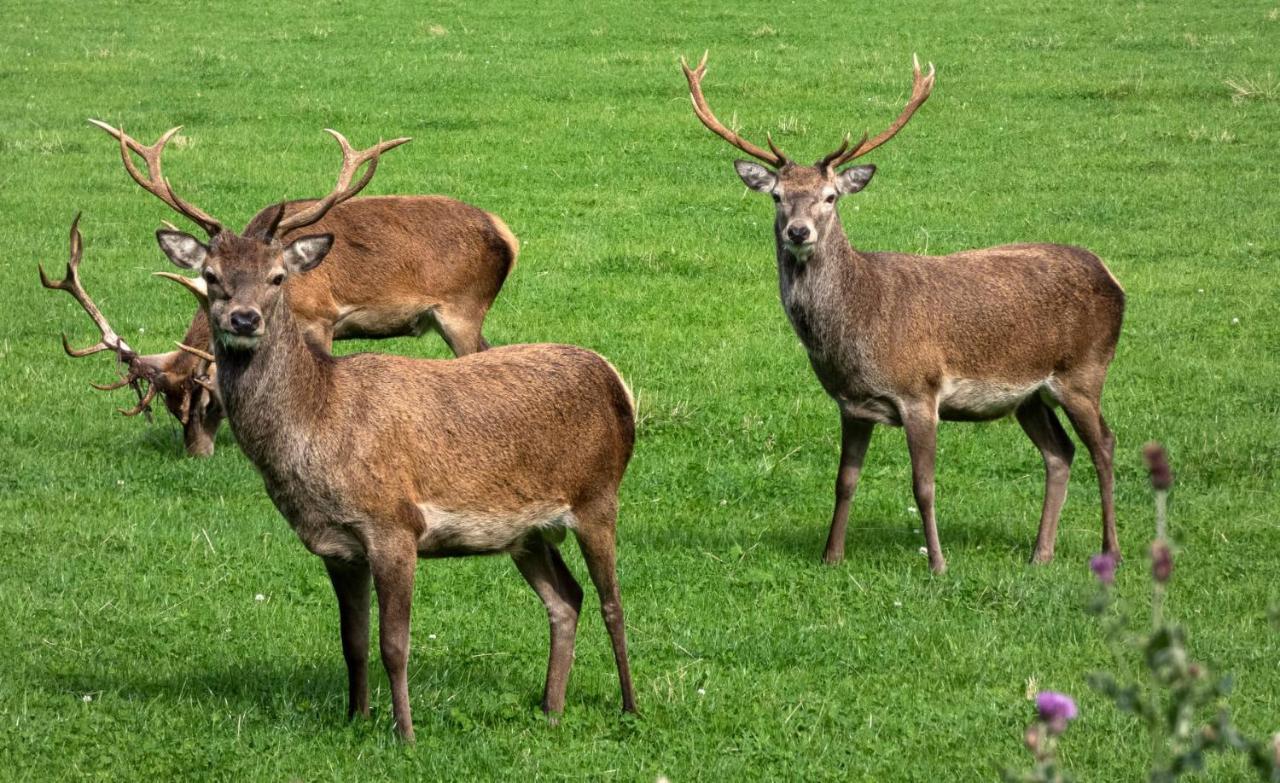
(449, 533)
(383, 321)
(963, 399)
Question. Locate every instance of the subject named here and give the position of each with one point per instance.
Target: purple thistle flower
(1056, 710)
(1103, 566)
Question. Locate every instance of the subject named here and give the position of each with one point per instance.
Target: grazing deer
(907, 340)
(377, 460)
(401, 265)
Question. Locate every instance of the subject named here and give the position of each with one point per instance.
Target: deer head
(805, 196)
(240, 278)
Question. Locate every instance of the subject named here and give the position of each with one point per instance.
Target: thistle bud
(1157, 460)
(1161, 561)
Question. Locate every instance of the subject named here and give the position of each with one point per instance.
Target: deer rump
(399, 266)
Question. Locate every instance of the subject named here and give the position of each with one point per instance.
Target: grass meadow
(158, 619)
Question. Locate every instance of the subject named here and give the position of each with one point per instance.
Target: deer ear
(182, 249)
(755, 176)
(305, 253)
(854, 178)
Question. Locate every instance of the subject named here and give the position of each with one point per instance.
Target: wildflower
(88, 697)
(1157, 460)
(1055, 710)
(1161, 561)
(259, 597)
(1103, 566)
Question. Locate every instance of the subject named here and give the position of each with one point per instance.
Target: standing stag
(401, 265)
(377, 460)
(907, 340)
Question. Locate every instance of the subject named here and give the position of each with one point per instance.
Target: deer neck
(273, 394)
(820, 293)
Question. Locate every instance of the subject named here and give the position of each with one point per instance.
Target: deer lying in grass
(400, 265)
(907, 340)
(377, 460)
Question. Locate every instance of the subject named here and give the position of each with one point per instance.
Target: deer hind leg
(921, 424)
(393, 564)
(351, 585)
(542, 567)
(1083, 406)
(1042, 426)
(596, 531)
(855, 435)
(460, 327)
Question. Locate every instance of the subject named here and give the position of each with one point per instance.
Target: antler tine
(120, 384)
(155, 182)
(144, 404)
(776, 158)
(921, 87)
(71, 284)
(205, 355)
(351, 163)
(110, 340)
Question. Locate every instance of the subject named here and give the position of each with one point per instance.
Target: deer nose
(245, 321)
(798, 234)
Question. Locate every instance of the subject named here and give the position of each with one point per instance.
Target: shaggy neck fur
(836, 277)
(276, 391)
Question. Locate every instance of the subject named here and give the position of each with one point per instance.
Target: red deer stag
(401, 265)
(907, 340)
(377, 460)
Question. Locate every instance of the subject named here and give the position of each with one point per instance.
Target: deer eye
(831, 199)
(277, 278)
(776, 197)
(210, 277)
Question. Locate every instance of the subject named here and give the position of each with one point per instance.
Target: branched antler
(155, 182)
(138, 372)
(351, 163)
(921, 86)
(774, 156)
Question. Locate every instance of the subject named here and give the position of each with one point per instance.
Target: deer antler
(921, 86)
(351, 163)
(777, 158)
(138, 372)
(155, 182)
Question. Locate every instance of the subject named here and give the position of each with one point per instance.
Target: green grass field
(134, 645)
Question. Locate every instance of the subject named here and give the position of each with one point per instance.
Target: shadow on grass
(314, 693)
(808, 540)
